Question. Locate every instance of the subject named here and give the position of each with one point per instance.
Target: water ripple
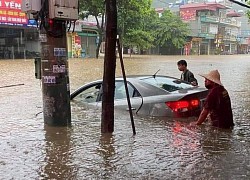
(163, 148)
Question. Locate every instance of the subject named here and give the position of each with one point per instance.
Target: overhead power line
(240, 3)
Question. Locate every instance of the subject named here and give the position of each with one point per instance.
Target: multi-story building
(215, 28)
(243, 38)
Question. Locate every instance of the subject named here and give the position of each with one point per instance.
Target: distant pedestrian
(186, 74)
(217, 103)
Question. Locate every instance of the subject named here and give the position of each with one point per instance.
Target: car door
(89, 93)
(92, 94)
(121, 97)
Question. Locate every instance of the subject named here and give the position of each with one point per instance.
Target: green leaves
(91, 7)
(248, 11)
(139, 25)
(171, 29)
(139, 38)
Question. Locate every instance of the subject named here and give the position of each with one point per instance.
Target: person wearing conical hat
(186, 75)
(217, 103)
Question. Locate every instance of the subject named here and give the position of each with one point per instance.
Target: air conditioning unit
(63, 9)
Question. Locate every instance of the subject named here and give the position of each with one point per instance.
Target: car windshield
(168, 84)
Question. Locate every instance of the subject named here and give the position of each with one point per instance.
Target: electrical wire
(55, 30)
(240, 3)
(44, 16)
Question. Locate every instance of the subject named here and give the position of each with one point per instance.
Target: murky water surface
(161, 149)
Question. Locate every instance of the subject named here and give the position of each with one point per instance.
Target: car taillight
(183, 105)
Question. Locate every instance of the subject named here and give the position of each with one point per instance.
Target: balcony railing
(226, 21)
(212, 19)
(206, 35)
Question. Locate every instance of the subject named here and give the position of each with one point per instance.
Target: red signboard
(78, 40)
(10, 13)
(188, 14)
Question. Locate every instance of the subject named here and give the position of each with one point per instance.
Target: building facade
(82, 42)
(18, 35)
(214, 28)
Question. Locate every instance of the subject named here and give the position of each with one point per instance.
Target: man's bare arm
(202, 116)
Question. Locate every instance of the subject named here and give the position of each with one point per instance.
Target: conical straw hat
(213, 76)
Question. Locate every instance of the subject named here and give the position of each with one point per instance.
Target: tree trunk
(107, 121)
(99, 45)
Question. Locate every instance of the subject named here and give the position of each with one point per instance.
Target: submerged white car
(150, 95)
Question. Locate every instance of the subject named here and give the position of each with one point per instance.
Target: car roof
(147, 89)
(144, 88)
(144, 76)
(140, 83)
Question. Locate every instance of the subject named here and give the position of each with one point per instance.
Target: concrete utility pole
(55, 78)
(107, 121)
(52, 17)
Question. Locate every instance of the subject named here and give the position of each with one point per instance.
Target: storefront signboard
(11, 14)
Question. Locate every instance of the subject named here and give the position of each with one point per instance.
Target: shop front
(18, 35)
(83, 42)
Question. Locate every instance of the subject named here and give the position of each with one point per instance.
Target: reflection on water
(58, 155)
(106, 150)
(163, 148)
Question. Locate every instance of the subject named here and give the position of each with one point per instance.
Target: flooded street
(163, 148)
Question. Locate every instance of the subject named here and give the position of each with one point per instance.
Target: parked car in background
(150, 95)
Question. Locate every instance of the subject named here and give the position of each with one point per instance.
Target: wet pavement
(162, 148)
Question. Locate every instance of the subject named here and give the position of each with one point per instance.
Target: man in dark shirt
(186, 74)
(217, 104)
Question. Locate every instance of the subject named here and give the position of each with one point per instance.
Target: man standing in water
(217, 104)
(186, 74)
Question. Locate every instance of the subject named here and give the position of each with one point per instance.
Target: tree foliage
(139, 38)
(138, 24)
(171, 29)
(248, 11)
(132, 23)
(94, 8)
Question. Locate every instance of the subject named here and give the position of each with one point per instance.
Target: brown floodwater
(163, 148)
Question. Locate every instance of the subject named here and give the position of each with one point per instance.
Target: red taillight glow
(183, 105)
(194, 103)
(51, 22)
